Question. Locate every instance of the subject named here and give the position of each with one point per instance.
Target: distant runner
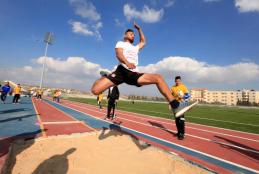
(4, 91)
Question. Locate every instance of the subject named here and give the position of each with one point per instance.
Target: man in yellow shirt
(17, 93)
(181, 94)
(99, 100)
(39, 94)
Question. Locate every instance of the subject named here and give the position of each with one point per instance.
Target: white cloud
(81, 28)
(247, 5)
(73, 72)
(165, 3)
(196, 72)
(87, 30)
(79, 73)
(98, 25)
(85, 9)
(169, 3)
(27, 68)
(148, 15)
(77, 66)
(119, 23)
(212, 0)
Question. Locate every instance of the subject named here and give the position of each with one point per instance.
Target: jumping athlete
(181, 94)
(127, 70)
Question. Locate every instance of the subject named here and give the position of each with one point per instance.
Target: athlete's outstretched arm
(142, 40)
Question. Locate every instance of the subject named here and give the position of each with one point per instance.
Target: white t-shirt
(130, 52)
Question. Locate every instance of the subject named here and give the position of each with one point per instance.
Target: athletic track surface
(219, 150)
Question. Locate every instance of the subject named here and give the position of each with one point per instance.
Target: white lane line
(206, 139)
(202, 153)
(190, 127)
(198, 118)
(166, 119)
(254, 125)
(61, 122)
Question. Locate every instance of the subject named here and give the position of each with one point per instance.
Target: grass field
(242, 119)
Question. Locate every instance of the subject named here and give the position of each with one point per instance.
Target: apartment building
(224, 97)
(251, 96)
(198, 94)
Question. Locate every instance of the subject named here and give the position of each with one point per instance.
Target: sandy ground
(94, 153)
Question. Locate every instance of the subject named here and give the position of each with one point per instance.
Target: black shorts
(121, 75)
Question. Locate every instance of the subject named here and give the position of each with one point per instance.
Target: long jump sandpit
(100, 152)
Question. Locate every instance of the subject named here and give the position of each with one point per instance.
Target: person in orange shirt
(58, 95)
(39, 94)
(17, 93)
(181, 94)
(99, 100)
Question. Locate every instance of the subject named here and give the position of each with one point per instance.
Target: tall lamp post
(48, 40)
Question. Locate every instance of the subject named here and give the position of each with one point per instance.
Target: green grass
(242, 119)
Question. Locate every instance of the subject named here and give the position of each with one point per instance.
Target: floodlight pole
(43, 66)
(48, 40)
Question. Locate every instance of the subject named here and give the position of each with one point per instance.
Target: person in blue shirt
(4, 91)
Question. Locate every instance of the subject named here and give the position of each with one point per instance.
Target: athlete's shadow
(17, 118)
(155, 124)
(115, 130)
(250, 152)
(14, 110)
(57, 164)
(22, 142)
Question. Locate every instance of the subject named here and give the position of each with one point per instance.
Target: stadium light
(49, 41)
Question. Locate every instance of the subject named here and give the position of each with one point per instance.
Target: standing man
(5, 90)
(181, 94)
(127, 71)
(58, 95)
(113, 96)
(39, 94)
(17, 93)
(99, 100)
(54, 95)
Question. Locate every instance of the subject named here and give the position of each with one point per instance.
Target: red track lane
(65, 124)
(211, 133)
(254, 137)
(245, 158)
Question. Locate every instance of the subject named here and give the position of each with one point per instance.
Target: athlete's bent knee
(95, 91)
(159, 78)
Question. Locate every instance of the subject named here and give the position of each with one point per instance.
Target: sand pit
(101, 152)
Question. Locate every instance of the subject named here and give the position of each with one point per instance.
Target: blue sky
(214, 33)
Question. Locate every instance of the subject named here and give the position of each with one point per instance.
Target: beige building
(251, 96)
(198, 94)
(224, 97)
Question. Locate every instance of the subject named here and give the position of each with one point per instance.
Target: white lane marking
(166, 119)
(206, 139)
(61, 122)
(198, 118)
(205, 154)
(143, 118)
